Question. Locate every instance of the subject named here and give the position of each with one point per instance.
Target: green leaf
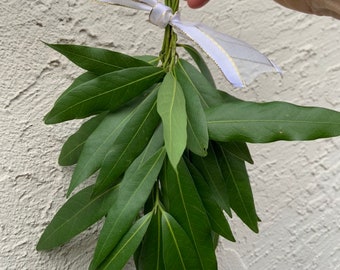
(136, 256)
(96, 60)
(76, 215)
(238, 149)
(189, 77)
(132, 195)
(268, 122)
(211, 170)
(155, 143)
(209, 95)
(171, 108)
(196, 56)
(106, 92)
(127, 246)
(197, 130)
(239, 189)
(184, 204)
(216, 238)
(73, 146)
(151, 253)
(130, 142)
(98, 144)
(178, 251)
(83, 78)
(150, 59)
(218, 221)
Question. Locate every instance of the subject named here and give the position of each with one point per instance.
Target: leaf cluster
(170, 154)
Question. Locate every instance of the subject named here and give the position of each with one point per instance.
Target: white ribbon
(239, 62)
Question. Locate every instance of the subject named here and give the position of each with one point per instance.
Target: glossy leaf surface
(132, 195)
(237, 149)
(239, 189)
(189, 77)
(171, 108)
(150, 59)
(183, 202)
(127, 246)
(72, 148)
(155, 143)
(196, 56)
(129, 143)
(197, 130)
(210, 96)
(106, 92)
(96, 60)
(83, 78)
(268, 122)
(151, 253)
(210, 168)
(178, 251)
(218, 221)
(75, 216)
(98, 144)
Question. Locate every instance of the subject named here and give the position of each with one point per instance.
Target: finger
(300, 5)
(197, 3)
(317, 7)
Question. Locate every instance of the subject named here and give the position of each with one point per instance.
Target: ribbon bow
(239, 62)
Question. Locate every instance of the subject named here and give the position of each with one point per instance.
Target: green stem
(168, 53)
(157, 203)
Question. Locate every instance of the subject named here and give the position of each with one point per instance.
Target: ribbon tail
(128, 3)
(239, 62)
(150, 3)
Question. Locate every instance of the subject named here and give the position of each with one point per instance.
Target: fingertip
(197, 3)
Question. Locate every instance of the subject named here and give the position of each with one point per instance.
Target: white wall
(296, 185)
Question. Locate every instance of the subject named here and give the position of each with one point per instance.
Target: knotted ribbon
(239, 62)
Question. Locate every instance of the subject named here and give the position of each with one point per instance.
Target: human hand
(318, 7)
(197, 3)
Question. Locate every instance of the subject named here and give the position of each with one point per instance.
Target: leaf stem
(168, 53)
(158, 205)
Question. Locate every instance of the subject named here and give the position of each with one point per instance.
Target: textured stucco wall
(296, 185)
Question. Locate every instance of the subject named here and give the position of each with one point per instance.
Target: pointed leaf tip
(171, 108)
